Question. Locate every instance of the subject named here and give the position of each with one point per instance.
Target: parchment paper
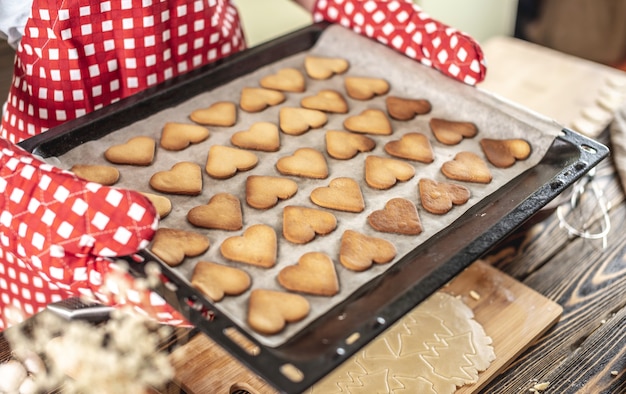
(450, 99)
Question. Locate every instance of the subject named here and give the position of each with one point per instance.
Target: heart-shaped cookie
(296, 121)
(450, 132)
(344, 145)
(468, 167)
(400, 108)
(302, 224)
(104, 175)
(399, 216)
(439, 197)
(370, 121)
(263, 192)
(178, 136)
(173, 245)
(162, 204)
(343, 194)
(383, 172)
(412, 146)
(223, 212)
(359, 251)
(262, 136)
(503, 153)
(305, 162)
(364, 88)
(257, 99)
(138, 151)
(313, 274)
(183, 178)
(257, 246)
(318, 67)
(269, 311)
(216, 280)
(221, 113)
(327, 101)
(286, 79)
(224, 162)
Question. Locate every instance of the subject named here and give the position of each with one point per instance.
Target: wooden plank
(534, 245)
(512, 314)
(599, 365)
(590, 284)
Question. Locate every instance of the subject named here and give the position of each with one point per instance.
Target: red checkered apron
(80, 55)
(76, 57)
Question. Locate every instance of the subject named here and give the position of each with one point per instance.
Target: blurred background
(590, 29)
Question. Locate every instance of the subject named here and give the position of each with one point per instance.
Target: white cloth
(13, 17)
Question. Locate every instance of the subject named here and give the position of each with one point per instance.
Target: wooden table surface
(581, 352)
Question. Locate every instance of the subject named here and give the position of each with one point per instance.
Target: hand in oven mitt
(403, 26)
(56, 235)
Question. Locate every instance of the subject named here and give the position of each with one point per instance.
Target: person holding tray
(59, 233)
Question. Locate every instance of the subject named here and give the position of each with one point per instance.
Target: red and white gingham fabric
(55, 234)
(402, 25)
(77, 56)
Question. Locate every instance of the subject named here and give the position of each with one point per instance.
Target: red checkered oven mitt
(56, 235)
(403, 26)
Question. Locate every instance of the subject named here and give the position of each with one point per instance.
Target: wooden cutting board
(512, 314)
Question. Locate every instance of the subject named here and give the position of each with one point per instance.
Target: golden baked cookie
(302, 224)
(450, 132)
(320, 67)
(217, 280)
(264, 191)
(257, 99)
(138, 151)
(221, 113)
(261, 136)
(370, 121)
(411, 146)
(400, 108)
(286, 80)
(326, 100)
(384, 172)
(365, 88)
(503, 153)
(183, 178)
(468, 167)
(344, 145)
(224, 161)
(359, 251)
(269, 311)
(256, 246)
(399, 216)
(173, 245)
(297, 121)
(440, 197)
(178, 136)
(102, 174)
(314, 273)
(342, 194)
(223, 212)
(304, 162)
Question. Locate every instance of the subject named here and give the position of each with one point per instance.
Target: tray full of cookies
(314, 189)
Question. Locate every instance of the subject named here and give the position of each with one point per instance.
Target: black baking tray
(346, 328)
